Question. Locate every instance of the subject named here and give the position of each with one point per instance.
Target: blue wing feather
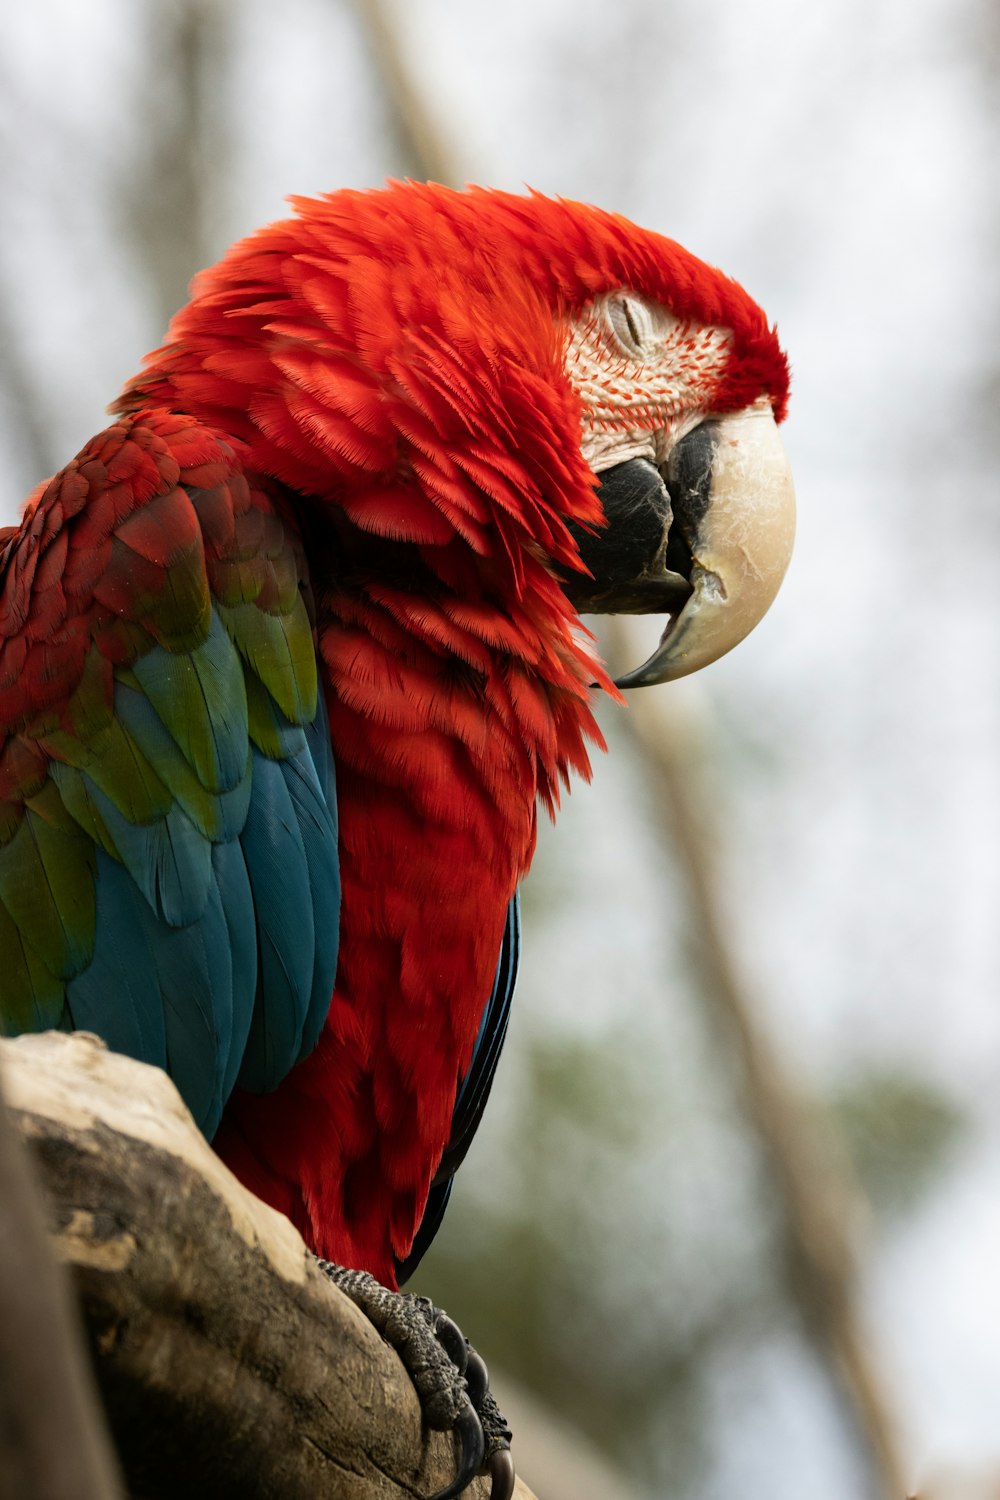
(290, 847)
(122, 971)
(213, 959)
(169, 860)
(316, 820)
(172, 987)
(240, 943)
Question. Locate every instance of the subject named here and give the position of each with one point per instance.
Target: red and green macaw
(291, 654)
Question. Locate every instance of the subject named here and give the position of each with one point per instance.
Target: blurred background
(732, 1225)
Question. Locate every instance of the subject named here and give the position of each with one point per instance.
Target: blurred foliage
(900, 1131)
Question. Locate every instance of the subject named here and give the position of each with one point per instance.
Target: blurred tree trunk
(19, 393)
(185, 146)
(53, 1444)
(424, 147)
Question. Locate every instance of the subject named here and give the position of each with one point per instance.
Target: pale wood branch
(228, 1364)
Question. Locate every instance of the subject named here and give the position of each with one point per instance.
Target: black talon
(476, 1377)
(501, 1474)
(468, 1429)
(452, 1341)
(451, 1379)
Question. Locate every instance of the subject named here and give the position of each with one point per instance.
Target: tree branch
(228, 1363)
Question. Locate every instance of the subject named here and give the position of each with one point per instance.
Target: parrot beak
(710, 546)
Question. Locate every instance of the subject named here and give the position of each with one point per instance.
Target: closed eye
(630, 323)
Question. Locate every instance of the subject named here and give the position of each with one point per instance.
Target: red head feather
(338, 347)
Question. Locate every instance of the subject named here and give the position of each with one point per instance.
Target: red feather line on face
(396, 360)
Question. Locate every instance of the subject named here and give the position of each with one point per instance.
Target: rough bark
(228, 1364)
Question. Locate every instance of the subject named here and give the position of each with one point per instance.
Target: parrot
(292, 658)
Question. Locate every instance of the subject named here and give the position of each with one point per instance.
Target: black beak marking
(628, 557)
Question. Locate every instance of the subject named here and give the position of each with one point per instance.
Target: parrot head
(541, 385)
(697, 501)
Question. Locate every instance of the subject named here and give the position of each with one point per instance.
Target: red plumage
(395, 359)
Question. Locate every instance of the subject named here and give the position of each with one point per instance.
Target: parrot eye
(630, 322)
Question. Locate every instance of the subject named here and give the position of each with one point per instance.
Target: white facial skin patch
(644, 377)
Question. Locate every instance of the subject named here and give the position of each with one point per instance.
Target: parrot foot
(450, 1378)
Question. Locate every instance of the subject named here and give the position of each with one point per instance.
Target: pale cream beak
(734, 505)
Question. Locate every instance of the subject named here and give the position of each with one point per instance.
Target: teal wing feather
(169, 872)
